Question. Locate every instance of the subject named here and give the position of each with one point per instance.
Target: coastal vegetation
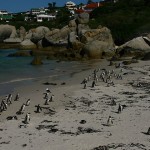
(126, 19)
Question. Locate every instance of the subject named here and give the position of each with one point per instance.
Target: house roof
(93, 5)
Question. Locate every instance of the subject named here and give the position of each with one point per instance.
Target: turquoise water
(17, 71)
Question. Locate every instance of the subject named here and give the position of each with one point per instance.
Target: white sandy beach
(78, 120)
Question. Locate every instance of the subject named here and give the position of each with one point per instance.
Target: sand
(77, 118)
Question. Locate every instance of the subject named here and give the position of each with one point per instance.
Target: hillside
(126, 19)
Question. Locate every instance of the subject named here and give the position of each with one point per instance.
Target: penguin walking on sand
(52, 98)
(120, 108)
(109, 121)
(28, 102)
(93, 84)
(47, 90)
(38, 108)
(17, 97)
(85, 85)
(27, 118)
(9, 99)
(46, 95)
(46, 101)
(3, 105)
(22, 109)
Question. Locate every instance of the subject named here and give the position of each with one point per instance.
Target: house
(47, 17)
(5, 16)
(70, 5)
(88, 7)
(36, 11)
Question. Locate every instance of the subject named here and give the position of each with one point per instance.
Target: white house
(47, 17)
(70, 5)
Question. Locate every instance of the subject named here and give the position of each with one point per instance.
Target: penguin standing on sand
(46, 101)
(120, 108)
(109, 121)
(28, 102)
(52, 98)
(9, 99)
(22, 109)
(27, 118)
(38, 108)
(17, 97)
(93, 84)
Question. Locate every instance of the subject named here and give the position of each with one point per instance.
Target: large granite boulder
(96, 49)
(82, 18)
(74, 42)
(136, 47)
(27, 44)
(56, 37)
(102, 34)
(22, 33)
(38, 33)
(13, 40)
(6, 31)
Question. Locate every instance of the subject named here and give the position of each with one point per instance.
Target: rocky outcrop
(27, 44)
(37, 61)
(6, 31)
(38, 33)
(12, 40)
(82, 18)
(137, 47)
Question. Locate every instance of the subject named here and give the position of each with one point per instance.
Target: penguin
(52, 98)
(9, 99)
(38, 108)
(109, 121)
(17, 97)
(93, 84)
(47, 90)
(22, 109)
(120, 108)
(28, 102)
(27, 118)
(46, 101)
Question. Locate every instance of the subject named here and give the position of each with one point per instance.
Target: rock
(74, 43)
(12, 40)
(102, 34)
(37, 61)
(38, 34)
(72, 23)
(136, 47)
(96, 49)
(6, 31)
(27, 44)
(82, 18)
(146, 56)
(22, 33)
(56, 37)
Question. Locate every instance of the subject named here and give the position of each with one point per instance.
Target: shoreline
(65, 129)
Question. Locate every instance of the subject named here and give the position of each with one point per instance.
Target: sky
(13, 6)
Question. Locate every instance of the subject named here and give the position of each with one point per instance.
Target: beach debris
(82, 121)
(101, 148)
